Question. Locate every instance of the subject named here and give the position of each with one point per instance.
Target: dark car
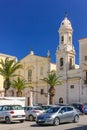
(81, 107)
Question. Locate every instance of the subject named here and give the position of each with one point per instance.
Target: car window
(0, 108)
(6, 108)
(85, 106)
(38, 108)
(17, 107)
(53, 110)
(76, 105)
(64, 109)
(29, 108)
(69, 109)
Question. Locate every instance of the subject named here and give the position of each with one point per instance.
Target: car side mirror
(61, 111)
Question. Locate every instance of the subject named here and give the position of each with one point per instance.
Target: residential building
(3, 57)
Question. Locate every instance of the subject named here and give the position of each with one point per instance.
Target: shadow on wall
(79, 128)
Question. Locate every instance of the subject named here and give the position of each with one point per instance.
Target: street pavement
(27, 125)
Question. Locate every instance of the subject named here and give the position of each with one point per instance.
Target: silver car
(10, 113)
(32, 112)
(57, 115)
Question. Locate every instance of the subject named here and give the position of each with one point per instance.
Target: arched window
(60, 100)
(70, 63)
(41, 71)
(70, 38)
(62, 39)
(61, 62)
(30, 75)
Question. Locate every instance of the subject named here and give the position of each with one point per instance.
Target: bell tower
(65, 53)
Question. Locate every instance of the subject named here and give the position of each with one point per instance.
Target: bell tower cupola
(65, 53)
(65, 35)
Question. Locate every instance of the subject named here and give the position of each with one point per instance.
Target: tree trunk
(52, 92)
(6, 86)
(52, 100)
(5, 93)
(19, 94)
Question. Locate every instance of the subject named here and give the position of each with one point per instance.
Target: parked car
(10, 113)
(58, 114)
(81, 107)
(45, 107)
(26, 108)
(32, 112)
(61, 104)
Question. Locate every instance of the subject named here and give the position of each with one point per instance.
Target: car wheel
(31, 118)
(56, 121)
(76, 119)
(21, 121)
(7, 120)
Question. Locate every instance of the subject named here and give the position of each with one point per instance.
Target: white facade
(70, 90)
(74, 77)
(3, 57)
(34, 69)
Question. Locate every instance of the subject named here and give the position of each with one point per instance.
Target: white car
(10, 113)
(33, 112)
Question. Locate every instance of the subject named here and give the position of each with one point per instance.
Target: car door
(2, 112)
(63, 114)
(70, 113)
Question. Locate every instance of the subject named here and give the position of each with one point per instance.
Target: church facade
(34, 69)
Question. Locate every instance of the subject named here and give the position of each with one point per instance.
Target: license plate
(39, 120)
(19, 116)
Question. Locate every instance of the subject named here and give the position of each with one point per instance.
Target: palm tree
(7, 69)
(19, 85)
(52, 80)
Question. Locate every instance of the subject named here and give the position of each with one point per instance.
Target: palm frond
(52, 79)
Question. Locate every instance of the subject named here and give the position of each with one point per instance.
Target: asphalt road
(82, 125)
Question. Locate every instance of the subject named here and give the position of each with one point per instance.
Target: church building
(73, 88)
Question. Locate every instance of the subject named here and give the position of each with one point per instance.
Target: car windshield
(53, 110)
(38, 108)
(0, 108)
(17, 107)
(85, 106)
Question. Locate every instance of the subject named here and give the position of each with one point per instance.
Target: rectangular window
(62, 39)
(42, 91)
(72, 86)
(85, 57)
(85, 81)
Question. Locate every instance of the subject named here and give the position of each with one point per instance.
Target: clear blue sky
(26, 24)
